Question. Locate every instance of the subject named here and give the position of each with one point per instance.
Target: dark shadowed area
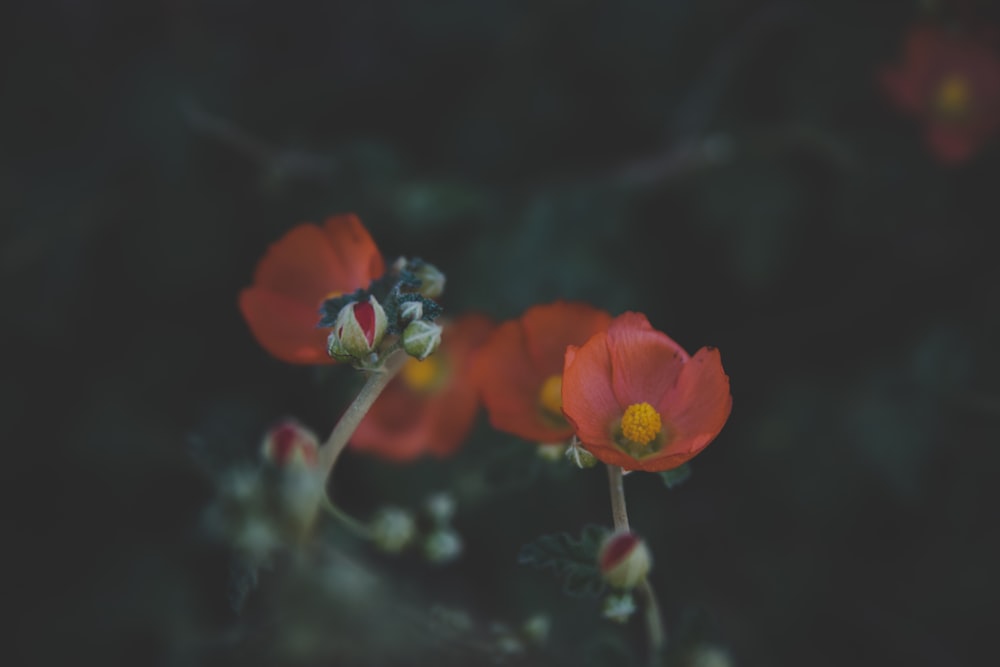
(731, 168)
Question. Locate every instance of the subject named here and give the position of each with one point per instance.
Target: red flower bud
(624, 560)
(291, 444)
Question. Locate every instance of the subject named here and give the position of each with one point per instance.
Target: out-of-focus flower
(519, 370)
(288, 443)
(949, 80)
(431, 406)
(393, 529)
(624, 560)
(302, 269)
(637, 400)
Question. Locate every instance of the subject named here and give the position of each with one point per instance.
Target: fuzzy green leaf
(572, 560)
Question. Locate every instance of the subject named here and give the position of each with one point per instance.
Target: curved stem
(655, 631)
(356, 411)
(355, 526)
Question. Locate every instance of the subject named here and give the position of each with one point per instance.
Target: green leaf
(572, 560)
(677, 476)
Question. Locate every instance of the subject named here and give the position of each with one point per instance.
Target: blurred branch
(277, 164)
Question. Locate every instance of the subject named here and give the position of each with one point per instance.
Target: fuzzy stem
(617, 486)
(356, 411)
(656, 636)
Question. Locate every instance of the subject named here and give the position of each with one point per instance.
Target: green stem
(656, 636)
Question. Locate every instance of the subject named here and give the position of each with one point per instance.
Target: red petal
(950, 145)
(403, 425)
(302, 266)
(645, 362)
(548, 329)
(358, 260)
(587, 397)
(284, 327)
(364, 313)
(510, 383)
(697, 407)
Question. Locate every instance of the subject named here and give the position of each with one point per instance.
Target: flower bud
(580, 456)
(551, 451)
(624, 560)
(442, 546)
(421, 338)
(288, 443)
(393, 529)
(431, 280)
(411, 310)
(440, 507)
(358, 330)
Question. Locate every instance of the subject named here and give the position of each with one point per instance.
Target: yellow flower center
(953, 96)
(422, 375)
(550, 396)
(641, 423)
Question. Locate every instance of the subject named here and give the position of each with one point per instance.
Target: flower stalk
(656, 635)
(330, 450)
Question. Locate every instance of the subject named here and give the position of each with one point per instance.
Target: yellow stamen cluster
(953, 96)
(421, 375)
(641, 423)
(550, 395)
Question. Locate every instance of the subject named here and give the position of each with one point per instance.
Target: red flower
(432, 405)
(519, 370)
(951, 81)
(637, 400)
(306, 266)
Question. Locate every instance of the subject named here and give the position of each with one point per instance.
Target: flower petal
(398, 425)
(302, 266)
(358, 260)
(645, 362)
(588, 400)
(284, 327)
(549, 328)
(697, 407)
(510, 383)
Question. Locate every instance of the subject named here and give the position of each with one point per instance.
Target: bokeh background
(729, 167)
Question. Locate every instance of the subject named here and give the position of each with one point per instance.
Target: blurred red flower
(519, 370)
(951, 82)
(431, 406)
(637, 400)
(297, 273)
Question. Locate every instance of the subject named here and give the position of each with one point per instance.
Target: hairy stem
(618, 510)
(656, 635)
(330, 450)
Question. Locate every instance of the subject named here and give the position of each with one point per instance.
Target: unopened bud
(442, 546)
(411, 310)
(288, 443)
(421, 338)
(393, 529)
(580, 456)
(624, 560)
(358, 330)
(551, 451)
(440, 507)
(431, 280)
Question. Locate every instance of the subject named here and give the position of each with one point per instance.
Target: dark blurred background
(729, 167)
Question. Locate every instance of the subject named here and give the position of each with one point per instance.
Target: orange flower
(431, 406)
(303, 268)
(950, 81)
(637, 400)
(519, 370)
